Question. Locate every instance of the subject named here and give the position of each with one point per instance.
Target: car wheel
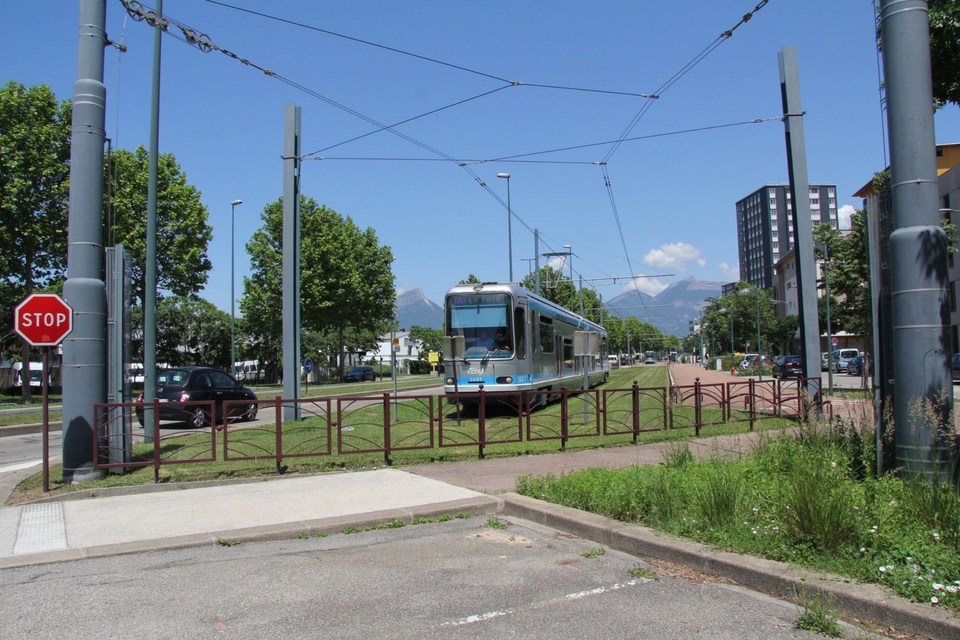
(251, 413)
(198, 418)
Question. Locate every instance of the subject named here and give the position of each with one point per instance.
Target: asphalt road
(453, 579)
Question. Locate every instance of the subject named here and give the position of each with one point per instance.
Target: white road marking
(20, 465)
(477, 618)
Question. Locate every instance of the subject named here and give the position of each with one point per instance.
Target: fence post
(481, 421)
(156, 440)
(697, 407)
(564, 417)
(753, 402)
(386, 428)
(635, 399)
(279, 445)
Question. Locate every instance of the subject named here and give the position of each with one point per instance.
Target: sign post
(43, 320)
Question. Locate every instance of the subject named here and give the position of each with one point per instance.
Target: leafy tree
(182, 230)
(471, 279)
(34, 192)
(346, 284)
(192, 331)
(945, 50)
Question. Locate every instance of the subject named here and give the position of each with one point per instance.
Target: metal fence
(387, 423)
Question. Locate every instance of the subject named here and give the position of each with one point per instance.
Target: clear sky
(669, 208)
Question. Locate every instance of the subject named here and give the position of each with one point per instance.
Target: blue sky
(671, 196)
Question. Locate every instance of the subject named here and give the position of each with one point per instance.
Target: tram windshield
(483, 319)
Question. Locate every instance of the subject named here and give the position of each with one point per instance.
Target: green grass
(594, 553)
(816, 617)
(809, 500)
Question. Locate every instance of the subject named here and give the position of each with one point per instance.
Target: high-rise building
(765, 227)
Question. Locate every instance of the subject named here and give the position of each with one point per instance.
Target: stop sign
(43, 319)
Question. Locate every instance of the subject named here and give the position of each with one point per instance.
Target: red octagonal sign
(43, 319)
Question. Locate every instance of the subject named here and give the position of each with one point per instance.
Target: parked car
(842, 357)
(190, 384)
(825, 361)
(955, 366)
(359, 374)
(788, 366)
(855, 366)
(749, 360)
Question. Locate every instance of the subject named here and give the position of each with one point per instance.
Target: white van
(614, 362)
(248, 370)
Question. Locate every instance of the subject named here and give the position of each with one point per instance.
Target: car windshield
(355, 370)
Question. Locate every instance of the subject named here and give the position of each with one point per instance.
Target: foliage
(849, 273)
(740, 309)
(182, 229)
(804, 499)
(945, 50)
(427, 340)
(815, 616)
(34, 191)
(471, 279)
(346, 284)
(642, 336)
(192, 331)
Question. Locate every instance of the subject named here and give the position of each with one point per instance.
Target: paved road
(451, 579)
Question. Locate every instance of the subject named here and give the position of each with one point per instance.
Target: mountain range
(671, 310)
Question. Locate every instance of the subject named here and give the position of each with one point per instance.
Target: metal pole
(826, 288)
(918, 248)
(509, 225)
(84, 353)
(233, 299)
(536, 253)
(291, 260)
(759, 350)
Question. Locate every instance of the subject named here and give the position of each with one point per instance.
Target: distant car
(855, 366)
(359, 374)
(955, 366)
(190, 384)
(825, 361)
(842, 357)
(749, 360)
(788, 366)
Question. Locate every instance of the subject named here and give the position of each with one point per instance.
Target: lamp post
(233, 354)
(826, 287)
(509, 224)
(756, 291)
(529, 262)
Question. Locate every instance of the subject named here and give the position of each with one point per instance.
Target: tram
(514, 340)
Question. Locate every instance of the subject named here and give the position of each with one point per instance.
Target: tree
(192, 331)
(34, 192)
(945, 50)
(182, 230)
(346, 284)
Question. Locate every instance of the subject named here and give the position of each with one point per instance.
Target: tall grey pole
(84, 350)
(536, 253)
(826, 289)
(759, 349)
(918, 247)
(150, 269)
(509, 226)
(291, 260)
(803, 229)
(233, 298)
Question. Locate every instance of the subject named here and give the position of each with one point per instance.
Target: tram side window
(568, 360)
(520, 330)
(546, 335)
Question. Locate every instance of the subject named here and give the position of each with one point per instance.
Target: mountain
(414, 310)
(683, 301)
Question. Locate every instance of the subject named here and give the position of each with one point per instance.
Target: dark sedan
(191, 384)
(855, 366)
(359, 374)
(788, 366)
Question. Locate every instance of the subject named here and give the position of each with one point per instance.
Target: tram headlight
(505, 380)
(448, 381)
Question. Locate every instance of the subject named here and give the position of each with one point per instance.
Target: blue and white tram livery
(514, 340)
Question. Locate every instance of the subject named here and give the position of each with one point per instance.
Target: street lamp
(529, 262)
(732, 350)
(826, 287)
(233, 354)
(509, 224)
(746, 292)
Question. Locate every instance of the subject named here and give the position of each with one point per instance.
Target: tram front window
(484, 322)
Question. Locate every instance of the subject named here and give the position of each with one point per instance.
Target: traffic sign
(835, 341)
(308, 365)
(43, 319)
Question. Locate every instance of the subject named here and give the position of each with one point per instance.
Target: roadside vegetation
(809, 498)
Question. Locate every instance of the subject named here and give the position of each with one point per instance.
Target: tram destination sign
(43, 319)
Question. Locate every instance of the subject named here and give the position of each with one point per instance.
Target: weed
(462, 516)
(445, 518)
(421, 521)
(718, 496)
(350, 530)
(494, 522)
(677, 455)
(320, 535)
(223, 542)
(303, 536)
(640, 571)
(816, 617)
(396, 524)
(594, 553)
